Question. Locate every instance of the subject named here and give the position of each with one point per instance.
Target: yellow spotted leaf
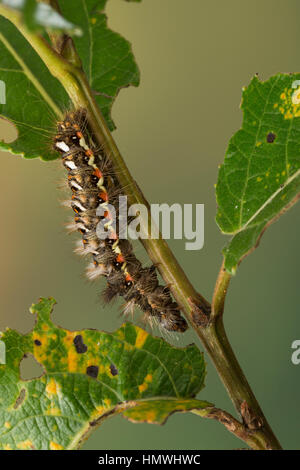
(89, 375)
(260, 177)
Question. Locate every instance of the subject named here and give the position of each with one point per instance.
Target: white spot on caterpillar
(62, 146)
(76, 185)
(70, 164)
(79, 205)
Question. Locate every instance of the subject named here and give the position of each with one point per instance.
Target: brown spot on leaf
(20, 398)
(92, 371)
(79, 344)
(271, 137)
(113, 370)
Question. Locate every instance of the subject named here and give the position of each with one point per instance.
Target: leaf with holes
(260, 177)
(34, 98)
(90, 375)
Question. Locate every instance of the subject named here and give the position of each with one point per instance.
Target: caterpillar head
(69, 132)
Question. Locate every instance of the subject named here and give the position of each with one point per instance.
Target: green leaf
(106, 56)
(34, 98)
(90, 375)
(158, 411)
(260, 177)
(37, 15)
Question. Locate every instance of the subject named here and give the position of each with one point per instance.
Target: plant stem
(254, 440)
(220, 292)
(227, 365)
(238, 388)
(210, 329)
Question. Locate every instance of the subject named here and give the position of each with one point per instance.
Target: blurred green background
(195, 56)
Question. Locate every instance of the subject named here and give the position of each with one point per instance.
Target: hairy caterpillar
(94, 184)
